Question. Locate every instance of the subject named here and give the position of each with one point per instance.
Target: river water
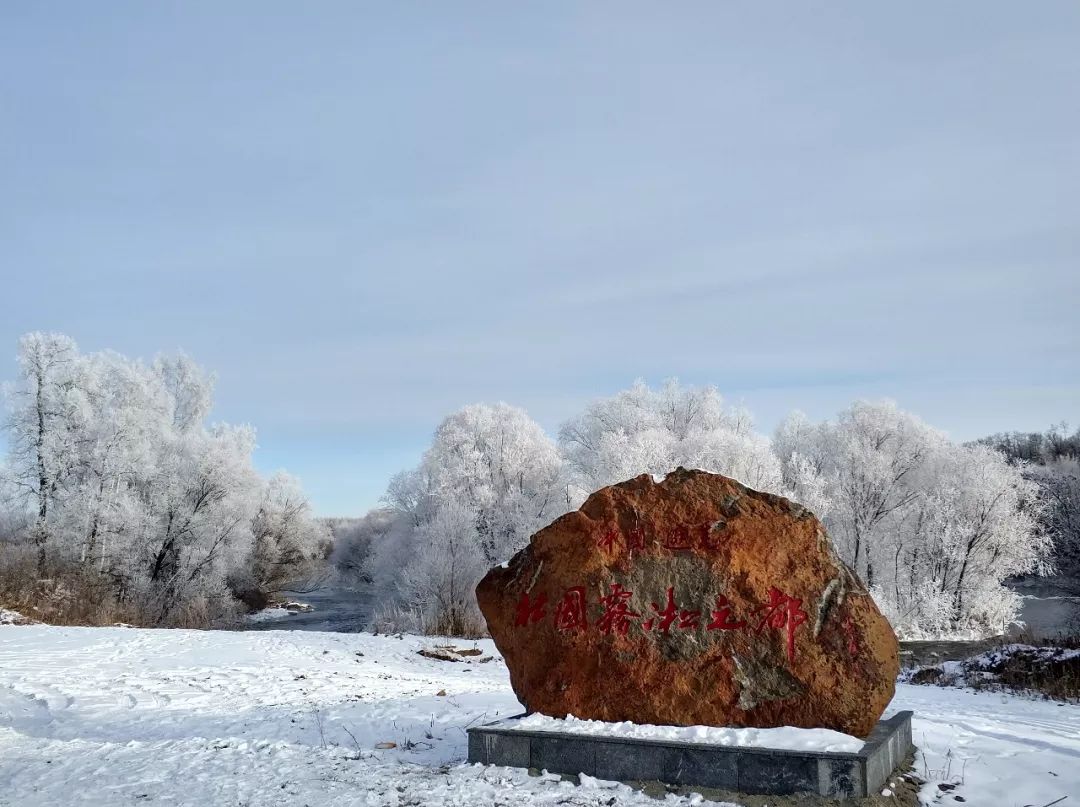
(335, 609)
(1048, 610)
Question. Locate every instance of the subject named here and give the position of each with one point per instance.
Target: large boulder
(693, 601)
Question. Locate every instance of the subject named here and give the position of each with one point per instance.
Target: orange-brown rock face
(695, 601)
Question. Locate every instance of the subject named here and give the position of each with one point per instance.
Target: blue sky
(363, 216)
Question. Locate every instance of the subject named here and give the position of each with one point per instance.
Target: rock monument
(692, 601)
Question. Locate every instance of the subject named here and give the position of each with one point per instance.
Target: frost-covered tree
(932, 526)
(46, 410)
(490, 478)
(877, 454)
(1038, 448)
(498, 463)
(354, 541)
(641, 430)
(197, 507)
(1052, 460)
(1059, 483)
(439, 581)
(289, 546)
(132, 497)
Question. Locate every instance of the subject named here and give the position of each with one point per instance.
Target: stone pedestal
(744, 770)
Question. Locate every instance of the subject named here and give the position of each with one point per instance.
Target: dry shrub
(18, 575)
(1052, 670)
(395, 619)
(462, 624)
(203, 611)
(70, 594)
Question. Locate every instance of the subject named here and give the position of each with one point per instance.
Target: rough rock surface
(693, 601)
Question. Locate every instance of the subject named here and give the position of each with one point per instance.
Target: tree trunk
(41, 533)
(958, 599)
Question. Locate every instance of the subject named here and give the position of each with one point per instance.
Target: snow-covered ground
(118, 716)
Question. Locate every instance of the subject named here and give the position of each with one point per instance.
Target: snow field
(117, 716)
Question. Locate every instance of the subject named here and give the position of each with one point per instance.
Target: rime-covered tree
(490, 478)
(439, 581)
(641, 430)
(1059, 483)
(497, 463)
(289, 545)
(1051, 459)
(45, 410)
(132, 497)
(932, 526)
(354, 540)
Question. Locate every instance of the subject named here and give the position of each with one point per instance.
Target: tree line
(934, 527)
(120, 502)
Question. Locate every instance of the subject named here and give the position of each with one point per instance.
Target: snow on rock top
(9, 617)
(268, 614)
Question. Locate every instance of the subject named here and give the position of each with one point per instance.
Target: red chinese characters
(782, 612)
(722, 618)
(685, 537)
(570, 614)
(529, 610)
(609, 539)
(689, 620)
(617, 614)
(664, 619)
(680, 538)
